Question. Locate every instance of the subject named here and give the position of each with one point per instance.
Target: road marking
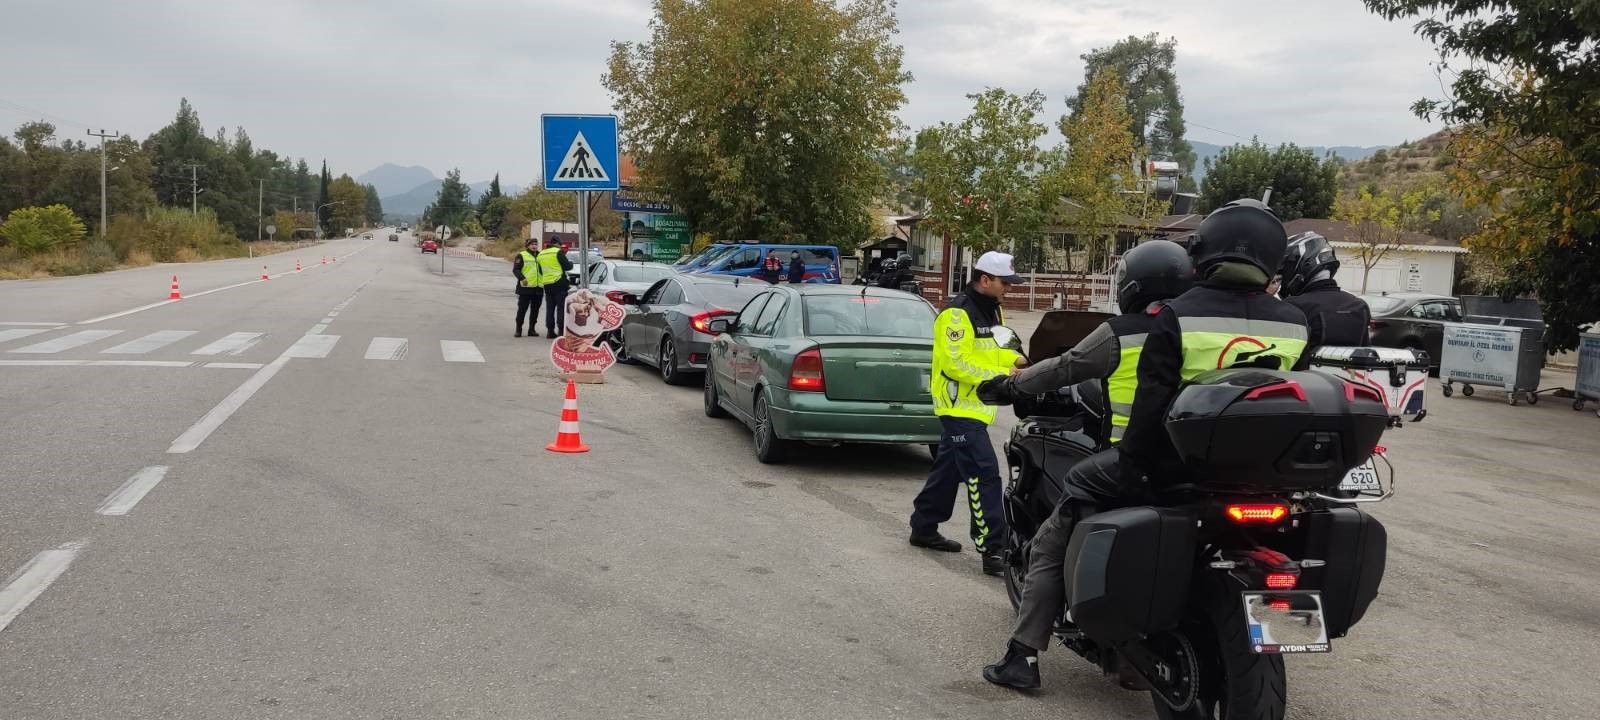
(40, 363)
(19, 333)
(125, 313)
(32, 324)
(319, 327)
(67, 342)
(233, 344)
(153, 341)
(460, 351)
(386, 348)
(30, 581)
(202, 429)
(234, 366)
(139, 363)
(204, 293)
(132, 491)
(312, 345)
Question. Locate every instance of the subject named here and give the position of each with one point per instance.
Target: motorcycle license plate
(1285, 622)
(1361, 477)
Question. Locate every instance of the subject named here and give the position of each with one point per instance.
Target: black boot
(1018, 668)
(519, 333)
(936, 542)
(551, 334)
(994, 563)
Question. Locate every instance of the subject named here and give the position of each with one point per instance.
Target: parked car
(366, 236)
(394, 238)
(573, 256)
(1412, 320)
(430, 246)
(616, 278)
(744, 260)
(668, 327)
(688, 263)
(825, 363)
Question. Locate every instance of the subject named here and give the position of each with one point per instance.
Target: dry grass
(79, 261)
(503, 248)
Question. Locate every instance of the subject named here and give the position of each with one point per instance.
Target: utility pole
(261, 186)
(102, 134)
(194, 189)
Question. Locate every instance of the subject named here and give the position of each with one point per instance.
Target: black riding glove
(997, 391)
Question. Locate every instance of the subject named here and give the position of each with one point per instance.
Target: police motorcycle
(1257, 554)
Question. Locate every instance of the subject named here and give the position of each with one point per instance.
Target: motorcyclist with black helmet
(1226, 320)
(895, 272)
(1333, 316)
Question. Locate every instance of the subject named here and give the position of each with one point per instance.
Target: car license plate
(1285, 622)
(1361, 477)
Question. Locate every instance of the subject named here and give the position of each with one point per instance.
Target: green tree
(492, 207)
(452, 205)
(181, 143)
(34, 230)
(762, 119)
(1094, 175)
(11, 168)
(350, 208)
(1377, 221)
(324, 198)
(374, 206)
(1522, 95)
(1302, 185)
(1144, 66)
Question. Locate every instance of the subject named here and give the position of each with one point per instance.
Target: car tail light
(1265, 513)
(702, 322)
(806, 373)
(1281, 581)
(1353, 390)
(614, 296)
(1287, 388)
(1375, 324)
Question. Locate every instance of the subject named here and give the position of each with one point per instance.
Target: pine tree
(322, 199)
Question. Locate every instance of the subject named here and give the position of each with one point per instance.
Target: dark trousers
(555, 309)
(1094, 485)
(528, 305)
(966, 459)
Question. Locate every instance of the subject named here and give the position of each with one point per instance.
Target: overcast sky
(462, 83)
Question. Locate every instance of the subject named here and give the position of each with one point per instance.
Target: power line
(35, 112)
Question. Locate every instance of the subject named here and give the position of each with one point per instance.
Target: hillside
(415, 200)
(391, 179)
(1403, 166)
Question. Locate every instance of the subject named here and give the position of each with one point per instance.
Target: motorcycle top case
(1128, 572)
(1398, 374)
(1273, 430)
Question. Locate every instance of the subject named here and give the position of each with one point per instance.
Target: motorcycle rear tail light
(1279, 604)
(1265, 514)
(806, 373)
(1285, 389)
(1281, 581)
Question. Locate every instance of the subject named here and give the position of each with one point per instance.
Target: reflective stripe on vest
(530, 270)
(987, 359)
(549, 266)
(1124, 382)
(1211, 343)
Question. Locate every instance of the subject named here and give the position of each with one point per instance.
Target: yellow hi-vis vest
(963, 357)
(549, 266)
(1123, 383)
(530, 270)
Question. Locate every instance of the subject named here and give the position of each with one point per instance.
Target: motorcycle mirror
(1006, 337)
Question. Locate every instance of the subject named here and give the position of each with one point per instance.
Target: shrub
(36, 230)
(173, 235)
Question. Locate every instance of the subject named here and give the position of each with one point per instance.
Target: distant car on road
(394, 238)
(819, 362)
(1412, 320)
(668, 326)
(366, 236)
(430, 246)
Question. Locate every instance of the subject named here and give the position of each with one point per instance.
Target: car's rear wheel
(670, 374)
(770, 448)
(619, 346)
(713, 405)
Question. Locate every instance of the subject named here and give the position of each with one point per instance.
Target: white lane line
(204, 293)
(40, 363)
(460, 351)
(31, 324)
(233, 344)
(319, 327)
(202, 429)
(67, 342)
(386, 348)
(125, 313)
(28, 582)
(139, 363)
(312, 346)
(234, 366)
(132, 491)
(153, 341)
(19, 333)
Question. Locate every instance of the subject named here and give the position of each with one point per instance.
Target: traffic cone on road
(264, 273)
(324, 259)
(174, 295)
(297, 266)
(567, 438)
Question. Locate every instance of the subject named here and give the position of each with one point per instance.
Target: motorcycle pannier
(1353, 544)
(1128, 572)
(1274, 431)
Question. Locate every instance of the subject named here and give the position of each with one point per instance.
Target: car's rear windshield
(640, 274)
(1382, 305)
(710, 254)
(868, 315)
(728, 295)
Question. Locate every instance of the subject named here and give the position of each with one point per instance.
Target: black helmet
(1308, 257)
(903, 262)
(1243, 230)
(1154, 270)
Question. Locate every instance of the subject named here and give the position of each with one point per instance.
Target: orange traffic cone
(297, 266)
(174, 295)
(264, 273)
(567, 440)
(324, 259)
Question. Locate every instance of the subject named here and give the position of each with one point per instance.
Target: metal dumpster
(1588, 385)
(1505, 357)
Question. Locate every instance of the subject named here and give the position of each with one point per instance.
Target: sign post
(580, 154)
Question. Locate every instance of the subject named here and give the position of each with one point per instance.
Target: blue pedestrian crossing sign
(580, 152)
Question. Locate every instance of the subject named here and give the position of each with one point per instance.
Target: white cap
(999, 265)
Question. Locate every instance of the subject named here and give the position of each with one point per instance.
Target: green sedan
(824, 364)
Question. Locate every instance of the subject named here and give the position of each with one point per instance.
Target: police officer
(1227, 320)
(553, 268)
(965, 354)
(1333, 316)
(530, 288)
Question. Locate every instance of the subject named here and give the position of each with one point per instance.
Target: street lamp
(320, 207)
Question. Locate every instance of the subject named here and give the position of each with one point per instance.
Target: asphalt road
(369, 527)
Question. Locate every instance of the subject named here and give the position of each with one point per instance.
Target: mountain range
(1205, 150)
(406, 190)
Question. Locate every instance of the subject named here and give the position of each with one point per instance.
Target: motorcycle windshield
(1059, 330)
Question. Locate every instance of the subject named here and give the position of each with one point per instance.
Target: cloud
(462, 84)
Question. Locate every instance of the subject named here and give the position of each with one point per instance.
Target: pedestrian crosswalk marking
(312, 346)
(67, 342)
(233, 344)
(386, 348)
(19, 333)
(579, 163)
(460, 351)
(153, 341)
(234, 366)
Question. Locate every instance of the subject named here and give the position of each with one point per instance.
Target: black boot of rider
(1017, 669)
(994, 563)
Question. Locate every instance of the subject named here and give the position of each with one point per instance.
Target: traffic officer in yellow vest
(553, 267)
(1227, 320)
(530, 288)
(965, 354)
